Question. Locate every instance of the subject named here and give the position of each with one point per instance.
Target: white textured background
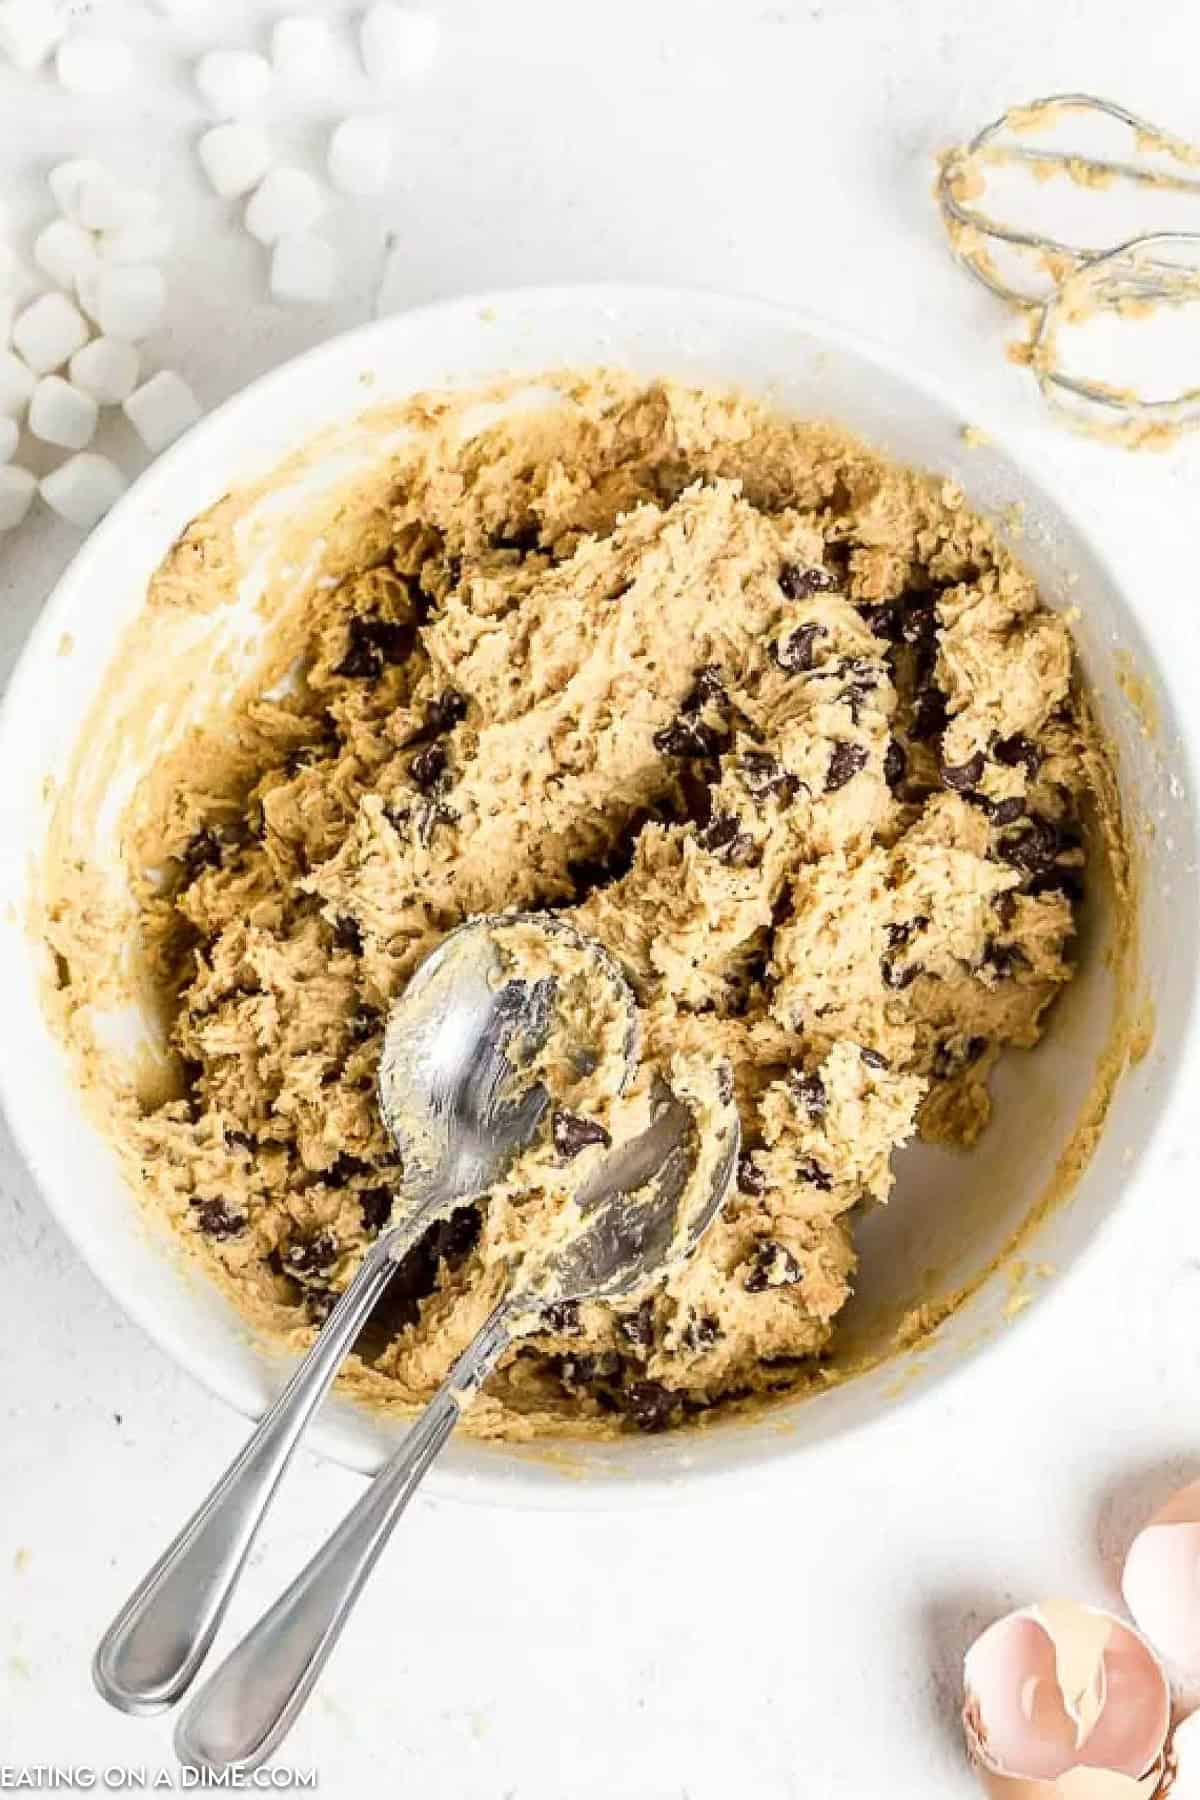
(804, 1641)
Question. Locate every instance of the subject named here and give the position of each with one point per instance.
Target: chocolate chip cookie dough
(781, 724)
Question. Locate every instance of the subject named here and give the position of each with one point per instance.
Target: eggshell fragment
(1065, 1702)
(1161, 1579)
(1185, 1760)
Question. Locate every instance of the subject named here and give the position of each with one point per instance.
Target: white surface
(803, 1641)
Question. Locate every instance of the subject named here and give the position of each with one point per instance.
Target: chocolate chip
(364, 1024)
(794, 653)
(929, 714)
(571, 1133)
(954, 1054)
(1034, 849)
(895, 764)
(1067, 881)
(427, 768)
(343, 1169)
(1005, 906)
(651, 1406)
(216, 1220)
(583, 1370)
(372, 642)
(347, 935)
(1001, 812)
(750, 1178)
(773, 1266)
(689, 737)
(725, 838)
(1001, 960)
(450, 1240)
(707, 690)
(845, 762)
(798, 581)
(762, 774)
(814, 1174)
(724, 1084)
(638, 1327)
(446, 711)
(702, 1332)
(311, 1256)
(903, 931)
(1018, 750)
(873, 1058)
(563, 1318)
(206, 850)
(883, 621)
(961, 776)
(899, 975)
(810, 1092)
(376, 1206)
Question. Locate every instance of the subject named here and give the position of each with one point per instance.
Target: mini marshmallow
(68, 179)
(60, 414)
(161, 409)
(17, 383)
(301, 48)
(82, 489)
(107, 369)
(286, 204)
(88, 65)
(141, 241)
(29, 30)
(10, 437)
(398, 43)
(360, 155)
(130, 298)
(232, 82)
(234, 157)
(65, 251)
(303, 269)
(17, 488)
(48, 332)
(104, 204)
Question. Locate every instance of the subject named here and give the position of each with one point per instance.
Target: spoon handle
(244, 1711)
(150, 1653)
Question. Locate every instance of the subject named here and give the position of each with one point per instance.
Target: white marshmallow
(130, 298)
(301, 49)
(141, 241)
(398, 43)
(303, 269)
(29, 30)
(17, 383)
(286, 204)
(161, 409)
(48, 332)
(234, 157)
(68, 179)
(82, 489)
(10, 437)
(104, 204)
(60, 414)
(107, 369)
(17, 488)
(232, 82)
(88, 65)
(360, 154)
(66, 251)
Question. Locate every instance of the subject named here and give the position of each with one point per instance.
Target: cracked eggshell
(1065, 1702)
(1161, 1579)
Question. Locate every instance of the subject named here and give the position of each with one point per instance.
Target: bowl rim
(528, 1487)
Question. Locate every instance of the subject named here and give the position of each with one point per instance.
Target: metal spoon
(638, 1216)
(454, 1047)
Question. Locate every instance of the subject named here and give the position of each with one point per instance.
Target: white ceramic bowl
(950, 1215)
